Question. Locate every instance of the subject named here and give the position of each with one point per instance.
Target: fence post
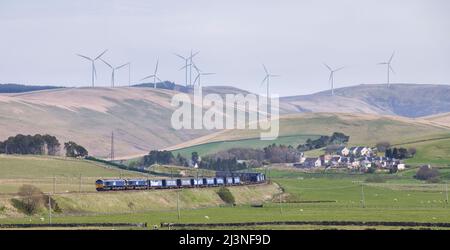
(49, 210)
(54, 184)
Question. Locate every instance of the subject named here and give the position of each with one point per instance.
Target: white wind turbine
(154, 76)
(190, 65)
(114, 70)
(199, 74)
(331, 79)
(186, 63)
(94, 72)
(389, 68)
(267, 79)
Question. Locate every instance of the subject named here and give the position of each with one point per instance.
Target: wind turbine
(154, 75)
(199, 74)
(186, 62)
(331, 79)
(94, 72)
(389, 67)
(267, 79)
(190, 66)
(114, 70)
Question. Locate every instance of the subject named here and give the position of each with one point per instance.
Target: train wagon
(236, 180)
(155, 184)
(208, 182)
(229, 180)
(198, 182)
(169, 183)
(184, 182)
(136, 184)
(219, 181)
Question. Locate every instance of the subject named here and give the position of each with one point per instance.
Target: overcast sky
(39, 39)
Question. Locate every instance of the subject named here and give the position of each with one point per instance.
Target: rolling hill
(140, 116)
(366, 129)
(407, 100)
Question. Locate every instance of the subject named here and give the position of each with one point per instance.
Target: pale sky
(293, 38)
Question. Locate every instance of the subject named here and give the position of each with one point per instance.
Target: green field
(256, 143)
(57, 174)
(307, 197)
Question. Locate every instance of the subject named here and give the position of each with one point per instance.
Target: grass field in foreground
(399, 199)
(46, 172)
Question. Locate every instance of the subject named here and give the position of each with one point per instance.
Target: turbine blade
(109, 65)
(198, 77)
(156, 68)
(265, 69)
(196, 68)
(101, 54)
(383, 63)
(338, 69)
(180, 56)
(264, 80)
(207, 74)
(185, 66)
(192, 55)
(159, 79)
(123, 65)
(274, 75)
(85, 57)
(392, 69)
(392, 56)
(145, 78)
(328, 67)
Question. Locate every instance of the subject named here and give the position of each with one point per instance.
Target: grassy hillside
(46, 172)
(440, 119)
(214, 147)
(120, 202)
(435, 152)
(306, 197)
(408, 100)
(139, 117)
(362, 128)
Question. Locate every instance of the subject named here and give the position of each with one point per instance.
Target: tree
(30, 144)
(194, 157)
(383, 146)
(225, 194)
(31, 198)
(160, 157)
(74, 150)
(427, 173)
(412, 151)
(339, 138)
(395, 153)
(52, 144)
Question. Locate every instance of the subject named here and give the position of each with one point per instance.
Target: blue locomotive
(139, 184)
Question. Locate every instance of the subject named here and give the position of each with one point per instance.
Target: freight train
(139, 184)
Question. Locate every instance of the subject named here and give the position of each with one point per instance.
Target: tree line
(40, 145)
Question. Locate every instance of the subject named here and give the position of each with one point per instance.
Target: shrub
(32, 199)
(427, 173)
(225, 194)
